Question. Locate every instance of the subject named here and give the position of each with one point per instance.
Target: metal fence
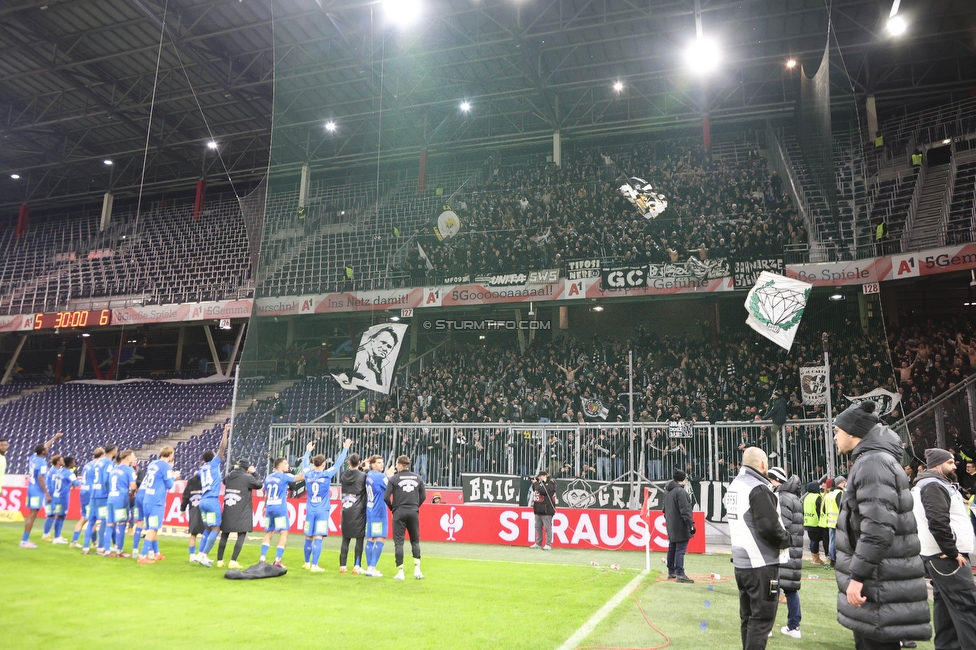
(611, 452)
(949, 421)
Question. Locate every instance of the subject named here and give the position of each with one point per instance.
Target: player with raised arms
(87, 480)
(121, 486)
(210, 482)
(160, 477)
(276, 487)
(377, 516)
(318, 481)
(37, 492)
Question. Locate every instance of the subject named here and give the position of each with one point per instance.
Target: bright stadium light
(330, 126)
(402, 12)
(836, 297)
(107, 161)
(597, 308)
(897, 25)
(465, 106)
(211, 145)
(791, 64)
(619, 86)
(702, 56)
(16, 177)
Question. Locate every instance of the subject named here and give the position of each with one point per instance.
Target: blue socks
(120, 537)
(89, 530)
(136, 536)
(108, 538)
(58, 526)
(48, 523)
(193, 549)
(278, 553)
(75, 535)
(377, 551)
(264, 550)
(146, 547)
(316, 551)
(25, 537)
(369, 553)
(308, 550)
(208, 540)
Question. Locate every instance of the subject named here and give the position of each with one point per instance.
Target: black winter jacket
(544, 497)
(677, 512)
(877, 544)
(238, 514)
(353, 483)
(791, 512)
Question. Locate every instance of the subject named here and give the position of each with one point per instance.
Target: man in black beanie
(681, 527)
(883, 599)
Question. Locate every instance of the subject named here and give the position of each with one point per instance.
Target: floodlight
(330, 126)
(947, 141)
(597, 308)
(836, 297)
(702, 56)
(618, 86)
(897, 25)
(791, 63)
(395, 319)
(15, 176)
(107, 161)
(402, 12)
(465, 106)
(85, 335)
(211, 145)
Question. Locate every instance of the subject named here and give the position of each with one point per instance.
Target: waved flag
(775, 305)
(594, 408)
(886, 400)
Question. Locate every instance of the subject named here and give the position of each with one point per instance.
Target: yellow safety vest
(879, 141)
(879, 232)
(823, 510)
(349, 273)
(811, 517)
(832, 507)
(917, 159)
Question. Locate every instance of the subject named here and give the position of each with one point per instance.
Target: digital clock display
(73, 319)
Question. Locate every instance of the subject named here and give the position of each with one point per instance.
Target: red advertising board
(471, 524)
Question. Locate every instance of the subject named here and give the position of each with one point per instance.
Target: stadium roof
(77, 78)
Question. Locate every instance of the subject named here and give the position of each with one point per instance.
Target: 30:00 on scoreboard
(72, 319)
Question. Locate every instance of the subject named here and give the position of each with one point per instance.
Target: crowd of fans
(540, 216)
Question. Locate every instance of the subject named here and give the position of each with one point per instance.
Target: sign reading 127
(71, 319)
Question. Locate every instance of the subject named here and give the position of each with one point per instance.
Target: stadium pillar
(22, 218)
(179, 348)
(200, 198)
(557, 149)
(871, 108)
(303, 191)
(213, 350)
(81, 360)
(413, 341)
(13, 362)
(706, 132)
(862, 310)
(107, 201)
(564, 318)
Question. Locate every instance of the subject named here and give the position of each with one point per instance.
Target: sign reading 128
(71, 319)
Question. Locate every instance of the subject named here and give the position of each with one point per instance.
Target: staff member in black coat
(353, 482)
(405, 493)
(882, 599)
(790, 571)
(544, 509)
(681, 526)
(238, 510)
(191, 501)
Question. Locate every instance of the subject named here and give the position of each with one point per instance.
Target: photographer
(544, 508)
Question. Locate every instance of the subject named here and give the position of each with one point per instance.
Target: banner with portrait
(813, 385)
(376, 359)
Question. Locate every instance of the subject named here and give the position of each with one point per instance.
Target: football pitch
(472, 597)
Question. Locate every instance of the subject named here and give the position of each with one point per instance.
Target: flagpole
(831, 459)
(635, 482)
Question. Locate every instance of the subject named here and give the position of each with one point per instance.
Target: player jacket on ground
(877, 544)
(791, 512)
(353, 483)
(754, 524)
(544, 498)
(238, 507)
(405, 491)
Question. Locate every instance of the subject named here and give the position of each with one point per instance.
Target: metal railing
(647, 451)
(944, 421)
(906, 235)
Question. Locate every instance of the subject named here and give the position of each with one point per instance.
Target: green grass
(473, 597)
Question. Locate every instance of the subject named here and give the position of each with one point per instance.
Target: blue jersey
(317, 485)
(210, 479)
(276, 490)
(100, 483)
(118, 484)
(375, 489)
(60, 481)
(36, 469)
(87, 478)
(159, 479)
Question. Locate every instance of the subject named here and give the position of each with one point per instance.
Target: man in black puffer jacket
(681, 526)
(883, 598)
(790, 572)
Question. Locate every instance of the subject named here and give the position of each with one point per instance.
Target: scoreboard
(73, 319)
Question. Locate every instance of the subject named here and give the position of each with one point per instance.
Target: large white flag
(886, 400)
(775, 305)
(376, 359)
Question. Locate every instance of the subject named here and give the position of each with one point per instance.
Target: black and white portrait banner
(376, 359)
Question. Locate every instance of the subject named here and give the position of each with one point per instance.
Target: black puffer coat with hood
(791, 512)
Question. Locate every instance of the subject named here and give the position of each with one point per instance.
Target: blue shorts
(99, 508)
(35, 498)
(154, 515)
(317, 524)
(137, 508)
(277, 520)
(376, 527)
(59, 509)
(118, 513)
(210, 511)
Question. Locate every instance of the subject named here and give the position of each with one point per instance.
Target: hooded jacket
(238, 514)
(677, 512)
(353, 483)
(791, 512)
(877, 544)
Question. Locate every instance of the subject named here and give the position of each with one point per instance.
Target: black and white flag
(376, 359)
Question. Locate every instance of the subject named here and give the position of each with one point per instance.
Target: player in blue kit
(276, 508)
(160, 477)
(53, 467)
(377, 514)
(60, 481)
(98, 512)
(138, 512)
(318, 480)
(37, 492)
(87, 480)
(121, 486)
(210, 482)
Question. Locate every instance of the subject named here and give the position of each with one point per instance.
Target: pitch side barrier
(649, 451)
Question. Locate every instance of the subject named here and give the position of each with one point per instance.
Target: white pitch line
(573, 642)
